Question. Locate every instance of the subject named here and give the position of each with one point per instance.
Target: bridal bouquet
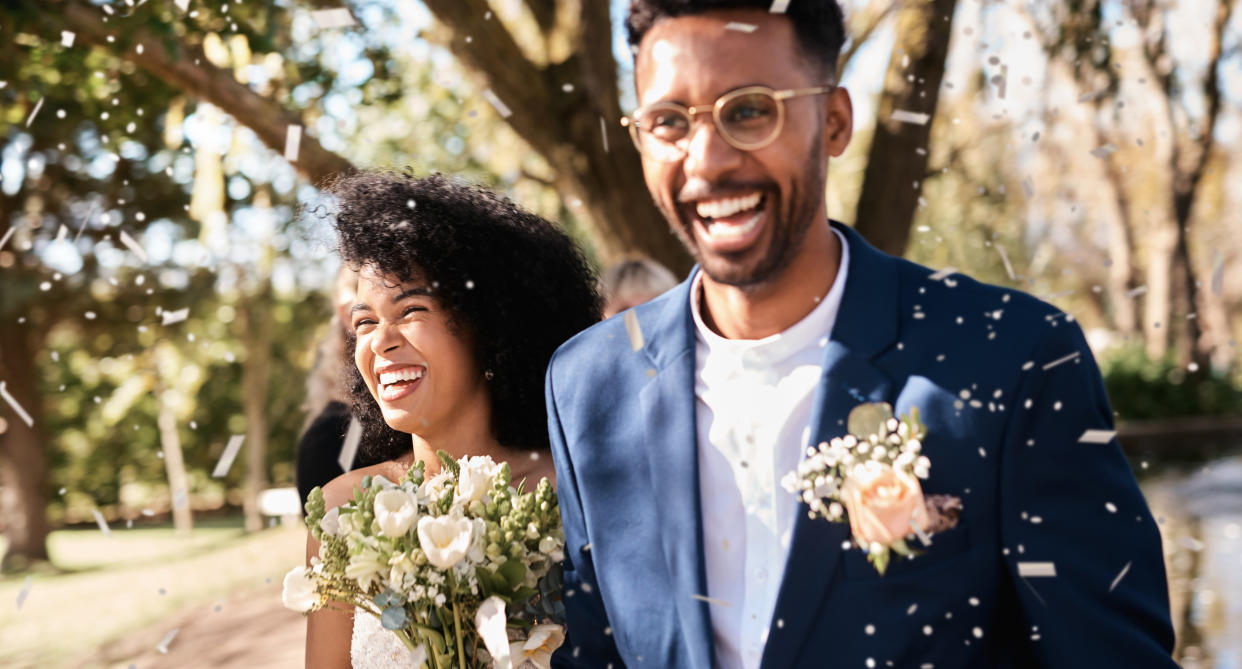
(463, 568)
(871, 477)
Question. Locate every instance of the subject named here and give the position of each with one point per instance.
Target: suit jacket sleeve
(589, 642)
(1077, 505)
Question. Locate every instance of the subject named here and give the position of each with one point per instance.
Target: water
(1200, 516)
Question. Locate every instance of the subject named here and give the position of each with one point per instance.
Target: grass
(102, 587)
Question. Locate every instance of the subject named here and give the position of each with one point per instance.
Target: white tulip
(445, 539)
(299, 592)
(395, 511)
(491, 623)
(475, 478)
(537, 649)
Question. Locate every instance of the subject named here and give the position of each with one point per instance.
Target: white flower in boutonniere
(871, 476)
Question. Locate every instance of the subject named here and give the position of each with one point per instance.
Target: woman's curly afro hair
(512, 281)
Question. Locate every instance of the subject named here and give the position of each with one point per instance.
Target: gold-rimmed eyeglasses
(747, 118)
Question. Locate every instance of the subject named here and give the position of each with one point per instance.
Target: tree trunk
(1158, 308)
(174, 462)
(1122, 310)
(257, 325)
(23, 467)
(895, 168)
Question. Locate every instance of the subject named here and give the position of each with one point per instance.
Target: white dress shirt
(753, 412)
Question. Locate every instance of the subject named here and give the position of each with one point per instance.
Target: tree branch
(865, 34)
(188, 70)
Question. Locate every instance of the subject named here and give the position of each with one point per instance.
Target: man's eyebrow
(416, 291)
(359, 307)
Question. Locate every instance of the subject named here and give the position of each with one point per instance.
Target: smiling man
(673, 423)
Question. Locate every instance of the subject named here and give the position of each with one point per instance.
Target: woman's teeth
(407, 374)
(728, 206)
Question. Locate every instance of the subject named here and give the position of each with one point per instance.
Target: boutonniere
(871, 477)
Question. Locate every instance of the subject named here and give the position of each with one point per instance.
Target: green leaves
(450, 465)
(869, 418)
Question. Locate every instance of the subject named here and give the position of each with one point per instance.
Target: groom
(673, 423)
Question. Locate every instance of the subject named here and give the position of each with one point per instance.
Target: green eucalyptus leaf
(868, 419)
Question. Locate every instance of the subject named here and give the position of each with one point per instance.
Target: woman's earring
(487, 374)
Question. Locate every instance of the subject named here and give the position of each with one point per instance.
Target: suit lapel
(866, 325)
(672, 451)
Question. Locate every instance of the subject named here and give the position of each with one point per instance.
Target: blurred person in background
(632, 282)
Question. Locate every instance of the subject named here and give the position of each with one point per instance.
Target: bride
(462, 298)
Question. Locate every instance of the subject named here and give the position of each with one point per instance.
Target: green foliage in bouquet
(462, 567)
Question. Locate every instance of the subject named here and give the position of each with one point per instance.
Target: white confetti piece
(710, 600)
(170, 317)
(168, 638)
(34, 112)
(916, 118)
(4, 392)
(180, 499)
(353, 435)
(1028, 187)
(1037, 569)
(779, 6)
(1005, 259)
(66, 37)
(603, 131)
(1097, 436)
(497, 103)
(1103, 151)
(133, 246)
(1218, 272)
(1124, 570)
(5, 239)
(1001, 81)
(741, 27)
(103, 524)
(293, 142)
(942, 273)
(1135, 292)
(227, 457)
(633, 330)
(328, 19)
(1061, 360)
(21, 596)
(183, 4)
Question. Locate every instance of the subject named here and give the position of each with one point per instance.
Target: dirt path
(251, 629)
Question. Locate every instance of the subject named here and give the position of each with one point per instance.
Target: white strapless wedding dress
(373, 647)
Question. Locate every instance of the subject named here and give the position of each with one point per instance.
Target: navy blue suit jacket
(1006, 386)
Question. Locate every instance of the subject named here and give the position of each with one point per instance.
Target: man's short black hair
(818, 24)
(514, 282)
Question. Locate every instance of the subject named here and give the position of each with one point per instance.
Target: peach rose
(882, 502)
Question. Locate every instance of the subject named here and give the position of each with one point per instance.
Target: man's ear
(838, 121)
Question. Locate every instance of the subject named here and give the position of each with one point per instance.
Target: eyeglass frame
(631, 121)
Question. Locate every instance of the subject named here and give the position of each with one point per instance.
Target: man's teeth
(727, 206)
(723, 230)
(407, 374)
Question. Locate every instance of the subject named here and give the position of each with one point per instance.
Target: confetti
(163, 645)
(16, 407)
(603, 131)
(227, 457)
(1005, 259)
(1103, 151)
(741, 27)
(293, 142)
(328, 19)
(66, 37)
(1060, 360)
(21, 596)
(352, 436)
(34, 112)
(103, 524)
(916, 118)
(497, 103)
(1135, 292)
(5, 239)
(633, 330)
(1028, 187)
(1218, 272)
(942, 273)
(1124, 571)
(1037, 569)
(170, 317)
(1088, 97)
(1097, 436)
(133, 246)
(710, 600)
(1001, 80)
(779, 6)
(183, 4)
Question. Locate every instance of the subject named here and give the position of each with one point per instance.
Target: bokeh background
(165, 268)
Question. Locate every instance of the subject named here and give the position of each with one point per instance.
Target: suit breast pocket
(946, 548)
